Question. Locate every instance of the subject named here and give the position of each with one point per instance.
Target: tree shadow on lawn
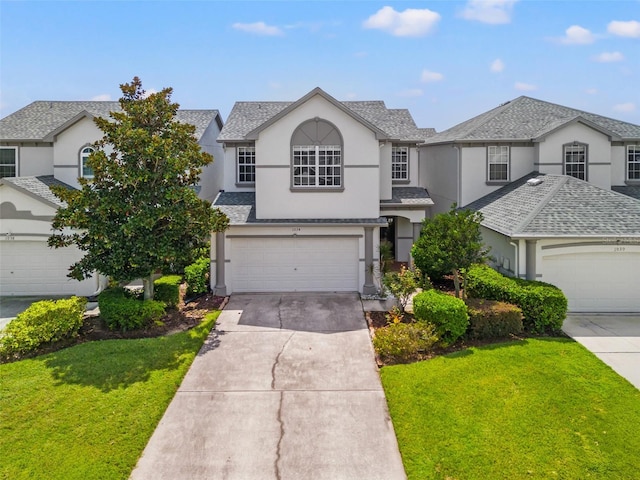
(114, 364)
(466, 350)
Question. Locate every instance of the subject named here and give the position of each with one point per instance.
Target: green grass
(534, 409)
(87, 412)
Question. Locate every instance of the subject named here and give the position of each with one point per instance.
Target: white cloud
(497, 65)
(625, 107)
(148, 92)
(591, 91)
(411, 92)
(577, 35)
(608, 57)
(259, 28)
(409, 23)
(624, 29)
(428, 77)
(494, 12)
(103, 97)
(524, 87)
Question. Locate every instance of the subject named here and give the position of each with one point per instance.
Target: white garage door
(596, 282)
(32, 268)
(294, 264)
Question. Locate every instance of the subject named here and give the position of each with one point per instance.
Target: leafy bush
(43, 322)
(167, 289)
(447, 313)
(197, 276)
(401, 342)
(491, 319)
(402, 284)
(544, 306)
(121, 310)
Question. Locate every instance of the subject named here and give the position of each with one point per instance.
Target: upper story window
(246, 165)
(85, 170)
(498, 163)
(316, 156)
(633, 162)
(575, 160)
(8, 162)
(399, 163)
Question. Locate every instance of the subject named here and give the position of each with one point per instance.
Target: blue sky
(445, 61)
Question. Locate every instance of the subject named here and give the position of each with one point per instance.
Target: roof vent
(534, 181)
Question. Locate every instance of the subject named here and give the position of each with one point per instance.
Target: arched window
(316, 156)
(85, 170)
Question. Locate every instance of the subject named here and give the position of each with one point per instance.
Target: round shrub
(447, 313)
(197, 276)
(121, 310)
(492, 319)
(167, 289)
(401, 342)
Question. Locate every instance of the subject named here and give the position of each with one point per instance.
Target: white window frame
(498, 155)
(7, 165)
(399, 163)
(317, 166)
(246, 165)
(84, 156)
(633, 163)
(575, 156)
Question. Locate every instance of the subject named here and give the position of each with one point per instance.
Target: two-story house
(308, 185)
(47, 143)
(546, 179)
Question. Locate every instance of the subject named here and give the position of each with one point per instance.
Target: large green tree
(139, 213)
(450, 243)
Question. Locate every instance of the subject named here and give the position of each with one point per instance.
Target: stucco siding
(502, 254)
(66, 149)
(35, 160)
(619, 165)
(439, 174)
(212, 177)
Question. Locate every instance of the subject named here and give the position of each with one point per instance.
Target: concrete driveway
(286, 387)
(614, 339)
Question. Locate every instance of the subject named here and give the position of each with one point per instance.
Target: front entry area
(294, 264)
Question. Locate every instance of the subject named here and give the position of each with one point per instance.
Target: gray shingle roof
(39, 187)
(560, 206)
(408, 196)
(39, 119)
(240, 207)
(397, 123)
(526, 119)
(630, 190)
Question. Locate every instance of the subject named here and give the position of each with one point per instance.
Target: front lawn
(531, 409)
(87, 412)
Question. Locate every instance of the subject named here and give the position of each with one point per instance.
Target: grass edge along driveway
(534, 409)
(88, 411)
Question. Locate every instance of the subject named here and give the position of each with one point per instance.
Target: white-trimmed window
(633, 162)
(498, 162)
(8, 162)
(85, 170)
(575, 160)
(317, 166)
(246, 163)
(399, 163)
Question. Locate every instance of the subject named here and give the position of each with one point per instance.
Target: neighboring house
(570, 229)
(308, 186)
(48, 143)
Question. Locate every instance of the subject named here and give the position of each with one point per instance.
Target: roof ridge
(543, 202)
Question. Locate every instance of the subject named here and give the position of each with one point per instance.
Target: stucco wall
(212, 176)
(618, 165)
(66, 150)
(502, 254)
(438, 173)
(35, 159)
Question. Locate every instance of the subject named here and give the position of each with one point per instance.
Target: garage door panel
(596, 281)
(294, 264)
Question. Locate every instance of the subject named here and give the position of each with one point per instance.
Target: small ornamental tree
(139, 213)
(450, 243)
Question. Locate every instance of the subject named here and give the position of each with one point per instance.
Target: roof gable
(37, 187)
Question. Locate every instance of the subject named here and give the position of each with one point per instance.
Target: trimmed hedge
(544, 306)
(167, 289)
(492, 319)
(447, 313)
(197, 275)
(121, 310)
(43, 322)
(402, 342)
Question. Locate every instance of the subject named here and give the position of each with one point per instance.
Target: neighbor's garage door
(596, 282)
(294, 264)
(32, 268)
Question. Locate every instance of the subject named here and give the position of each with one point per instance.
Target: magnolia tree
(450, 243)
(139, 213)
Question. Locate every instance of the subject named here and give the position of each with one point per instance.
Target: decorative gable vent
(534, 181)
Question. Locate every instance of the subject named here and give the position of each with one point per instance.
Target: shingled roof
(529, 119)
(397, 124)
(559, 206)
(40, 120)
(38, 187)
